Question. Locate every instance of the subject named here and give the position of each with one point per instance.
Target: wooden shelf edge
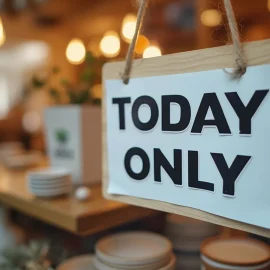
(189, 212)
(117, 217)
(40, 212)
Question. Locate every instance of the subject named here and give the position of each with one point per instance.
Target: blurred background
(38, 35)
(52, 52)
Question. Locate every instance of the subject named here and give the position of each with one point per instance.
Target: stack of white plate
(188, 261)
(136, 251)
(186, 234)
(50, 182)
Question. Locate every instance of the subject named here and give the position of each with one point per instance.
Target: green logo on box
(61, 136)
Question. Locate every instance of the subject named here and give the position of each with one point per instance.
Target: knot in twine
(240, 60)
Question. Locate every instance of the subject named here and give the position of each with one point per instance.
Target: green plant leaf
(84, 97)
(55, 70)
(38, 83)
(55, 94)
(96, 101)
(80, 97)
(87, 76)
(89, 58)
(65, 83)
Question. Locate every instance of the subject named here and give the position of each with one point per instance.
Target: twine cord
(240, 57)
(130, 53)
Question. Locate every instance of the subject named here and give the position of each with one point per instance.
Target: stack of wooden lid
(49, 182)
(235, 254)
(186, 235)
(84, 262)
(136, 251)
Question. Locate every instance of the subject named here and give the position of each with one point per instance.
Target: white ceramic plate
(49, 186)
(50, 182)
(52, 190)
(50, 193)
(50, 173)
(84, 262)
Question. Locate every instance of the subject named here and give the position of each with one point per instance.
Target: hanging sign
(195, 139)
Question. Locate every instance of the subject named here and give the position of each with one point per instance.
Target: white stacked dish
(186, 235)
(84, 262)
(136, 251)
(49, 182)
(188, 261)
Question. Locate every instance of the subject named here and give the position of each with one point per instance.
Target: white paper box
(73, 135)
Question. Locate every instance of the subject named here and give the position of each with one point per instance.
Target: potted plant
(73, 123)
(31, 257)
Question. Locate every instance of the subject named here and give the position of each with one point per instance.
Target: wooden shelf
(68, 213)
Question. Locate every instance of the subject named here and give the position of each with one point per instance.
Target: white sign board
(199, 140)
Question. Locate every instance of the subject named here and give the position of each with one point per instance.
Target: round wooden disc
(84, 262)
(133, 248)
(236, 251)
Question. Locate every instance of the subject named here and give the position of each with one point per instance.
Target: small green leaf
(79, 97)
(87, 75)
(65, 82)
(54, 94)
(96, 101)
(89, 58)
(38, 83)
(55, 70)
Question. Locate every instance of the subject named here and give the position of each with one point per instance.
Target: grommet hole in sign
(240, 61)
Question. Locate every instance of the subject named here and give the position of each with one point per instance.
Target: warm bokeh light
(128, 27)
(2, 33)
(268, 5)
(211, 18)
(75, 51)
(31, 122)
(152, 51)
(257, 32)
(110, 44)
(96, 91)
(142, 44)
